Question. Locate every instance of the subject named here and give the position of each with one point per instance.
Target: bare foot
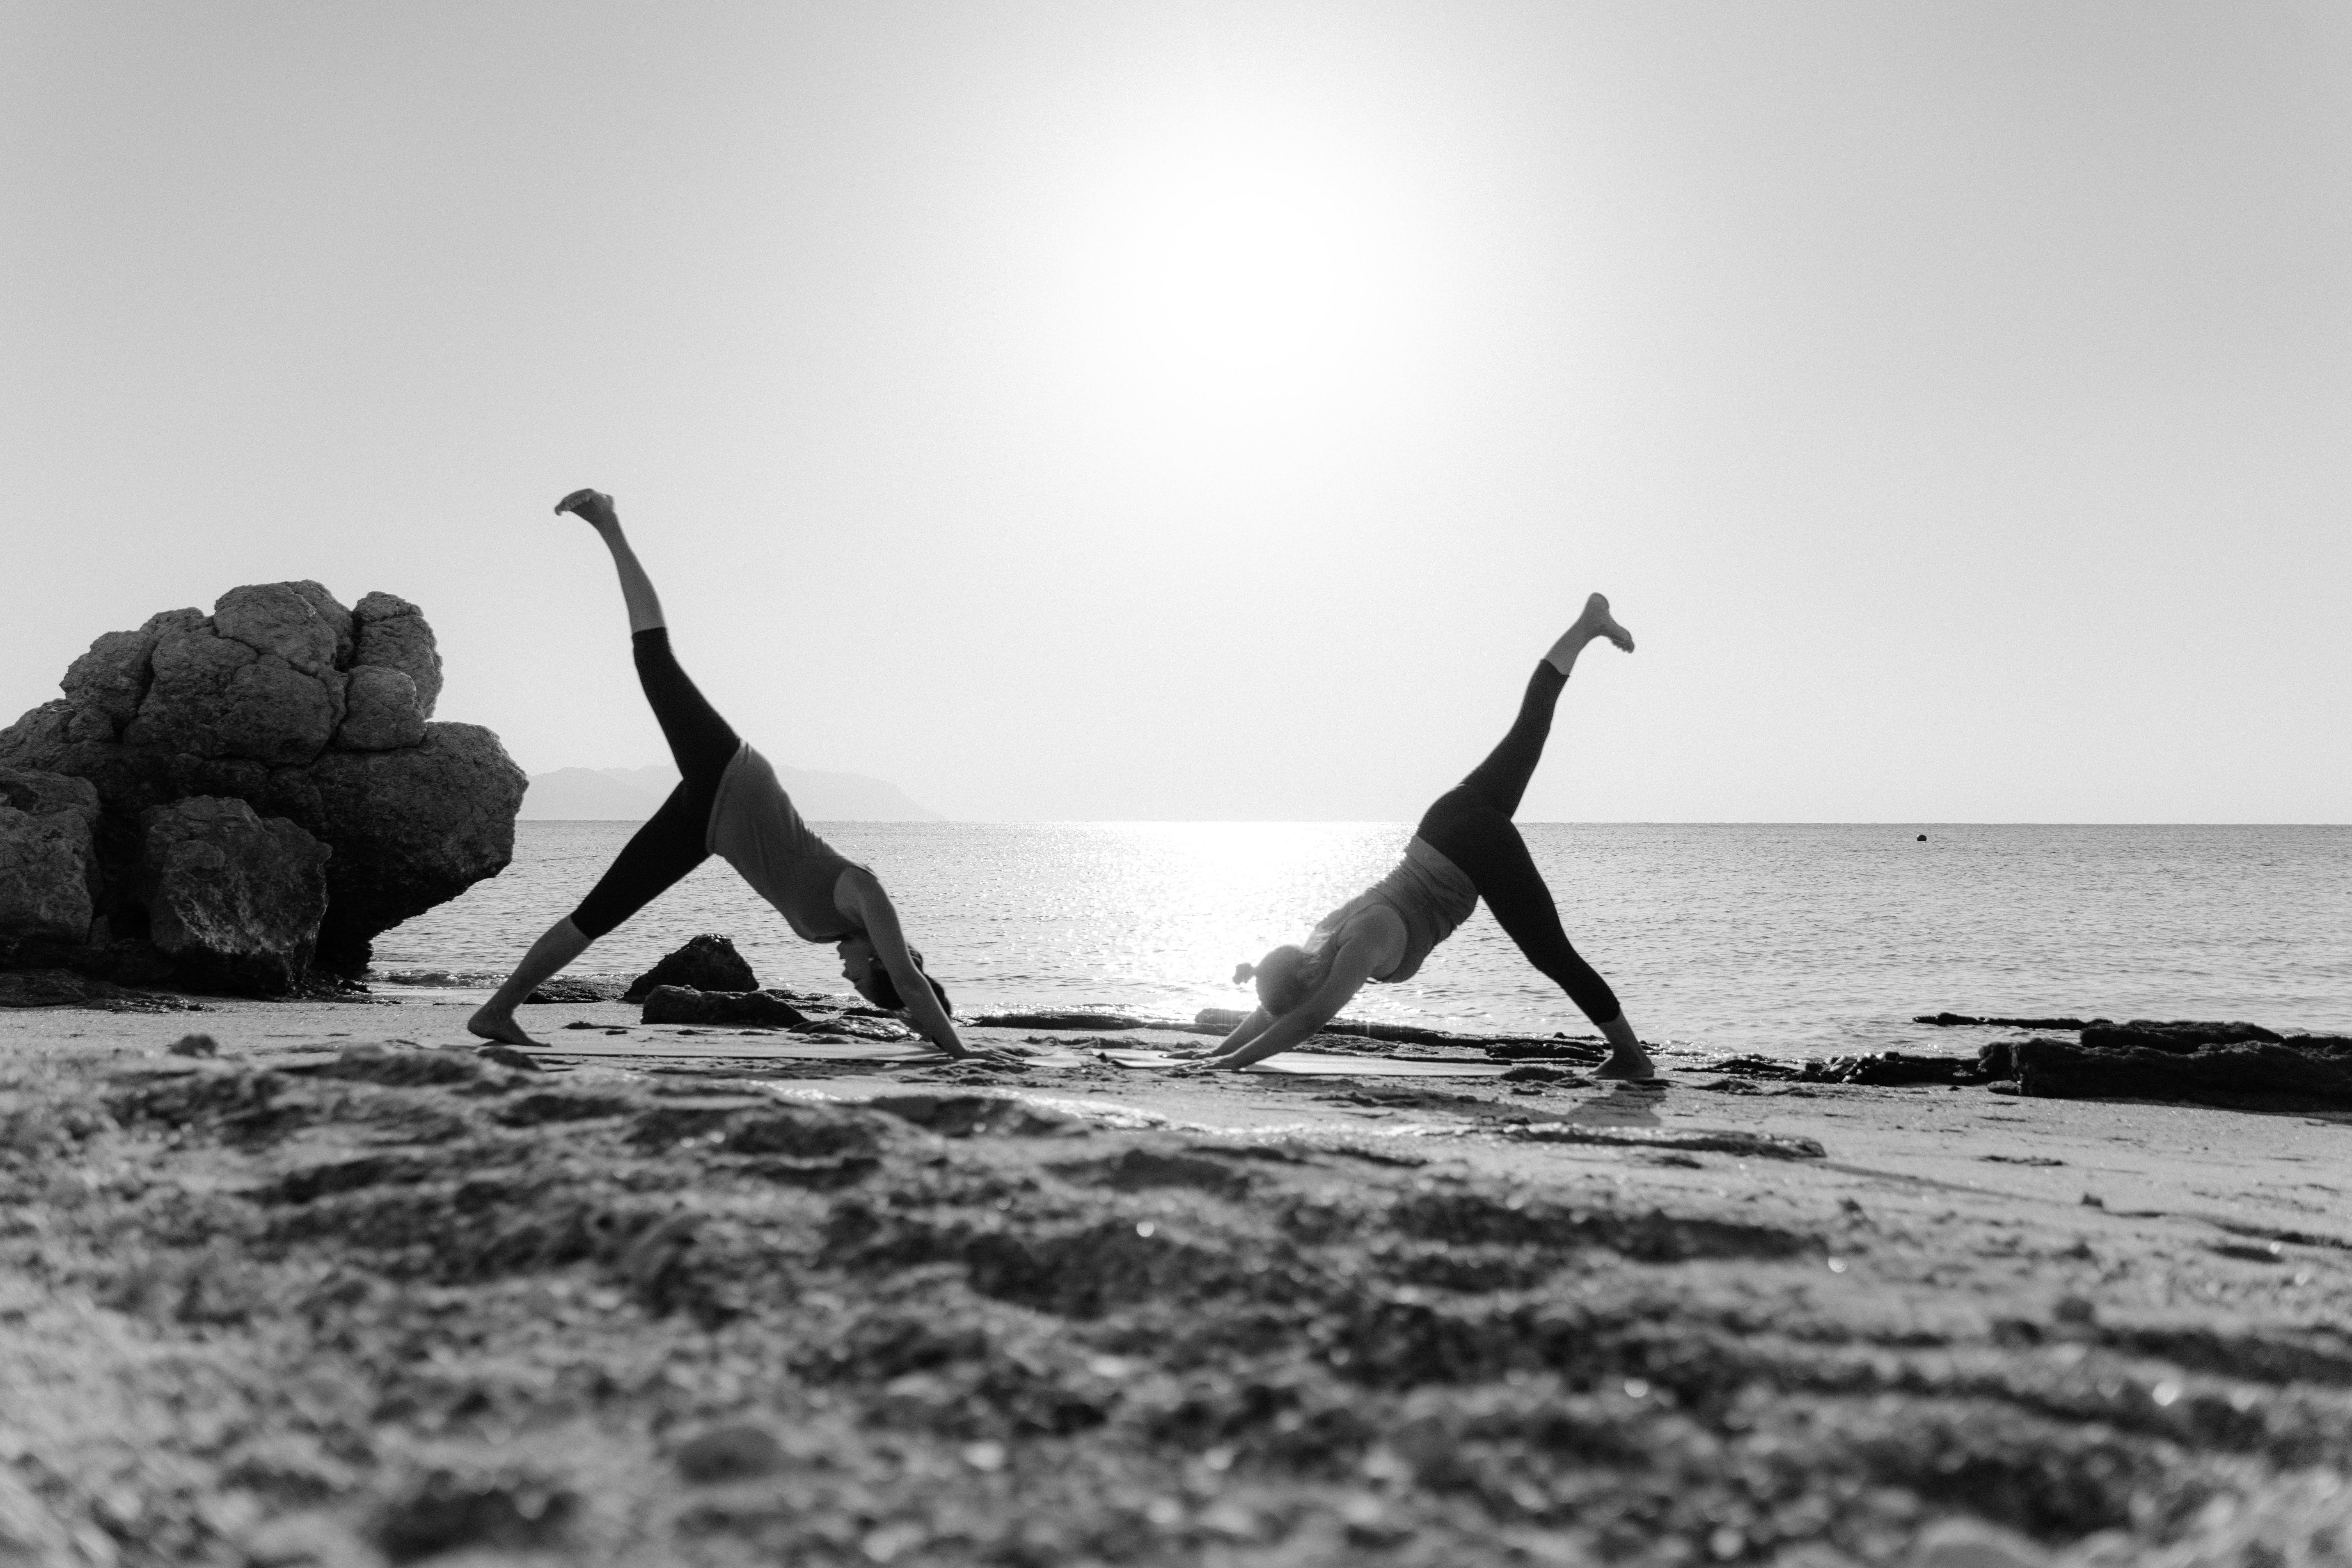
(1597, 621)
(499, 1027)
(594, 507)
(1626, 1061)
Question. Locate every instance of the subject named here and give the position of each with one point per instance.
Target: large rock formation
(315, 717)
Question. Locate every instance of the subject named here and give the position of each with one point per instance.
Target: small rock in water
(196, 1046)
(730, 1454)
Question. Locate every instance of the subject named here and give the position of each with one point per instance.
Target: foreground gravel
(332, 1301)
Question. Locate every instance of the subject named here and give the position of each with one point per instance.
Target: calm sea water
(1789, 940)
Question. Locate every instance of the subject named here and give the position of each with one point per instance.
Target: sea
(1789, 940)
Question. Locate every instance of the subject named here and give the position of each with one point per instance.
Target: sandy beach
(347, 1292)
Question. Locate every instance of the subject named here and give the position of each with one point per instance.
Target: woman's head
(863, 968)
(1285, 977)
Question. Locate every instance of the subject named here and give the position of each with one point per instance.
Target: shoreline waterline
(1806, 940)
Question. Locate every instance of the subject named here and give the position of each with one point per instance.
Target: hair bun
(1243, 973)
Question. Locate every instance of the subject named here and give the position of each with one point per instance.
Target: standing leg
(1490, 852)
(670, 844)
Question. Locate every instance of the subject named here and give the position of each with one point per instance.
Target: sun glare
(1236, 269)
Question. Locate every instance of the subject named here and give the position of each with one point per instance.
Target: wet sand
(351, 1293)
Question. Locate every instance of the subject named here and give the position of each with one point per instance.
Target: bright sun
(1232, 270)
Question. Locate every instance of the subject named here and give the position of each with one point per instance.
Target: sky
(1214, 410)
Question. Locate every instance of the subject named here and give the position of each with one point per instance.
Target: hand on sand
(498, 1027)
(986, 1056)
(594, 507)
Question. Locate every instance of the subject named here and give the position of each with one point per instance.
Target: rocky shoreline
(348, 1291)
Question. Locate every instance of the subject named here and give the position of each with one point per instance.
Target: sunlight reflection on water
(1811, 940)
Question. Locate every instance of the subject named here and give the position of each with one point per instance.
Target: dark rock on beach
(569, 989)
(684, 1004)
(706, 963)
(2184, 1035)
(2253, 1075)
(1949, 1020)
(280, 699)
(1895, 1068)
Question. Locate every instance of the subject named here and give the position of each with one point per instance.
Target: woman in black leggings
(728, 802)
(1465, 849)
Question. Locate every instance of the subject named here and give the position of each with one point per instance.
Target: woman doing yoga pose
(727, 803)
(1465, 849)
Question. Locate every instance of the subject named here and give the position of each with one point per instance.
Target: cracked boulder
(393, 635)
(411, 828)
(234, 898)
(49, 877)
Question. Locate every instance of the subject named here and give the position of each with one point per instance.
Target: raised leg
(595, 509)
(1501, 781)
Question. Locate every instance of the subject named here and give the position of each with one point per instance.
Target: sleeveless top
(1431, 893)
(755, 829)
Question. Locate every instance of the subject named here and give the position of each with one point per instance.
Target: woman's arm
(1358, 955)
(1248, 1029)
(880, 920)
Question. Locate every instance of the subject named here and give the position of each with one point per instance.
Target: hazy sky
(1213, 411)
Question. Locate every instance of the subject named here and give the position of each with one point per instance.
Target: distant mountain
(632, 794)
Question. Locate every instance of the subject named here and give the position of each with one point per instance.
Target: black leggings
(670, 844)
(1470, 825)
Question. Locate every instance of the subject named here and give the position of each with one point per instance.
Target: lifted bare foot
(594, 507)
(1627, 1062)
(499, 1027)
(1595, 622)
